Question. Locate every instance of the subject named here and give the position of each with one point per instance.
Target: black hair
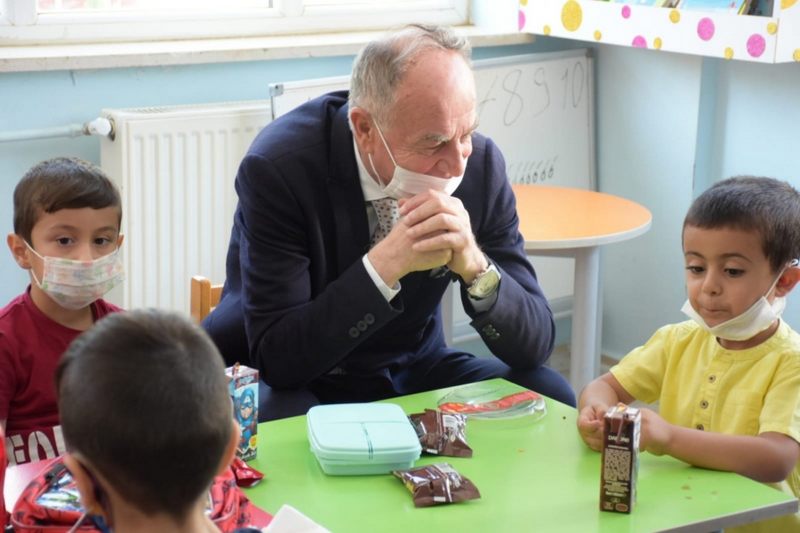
(765, 205)
(61, 183)
(143, 398)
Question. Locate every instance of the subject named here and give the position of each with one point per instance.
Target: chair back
(204, 297)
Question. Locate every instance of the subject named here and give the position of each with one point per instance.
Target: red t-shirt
(4, 518)
(31, 345)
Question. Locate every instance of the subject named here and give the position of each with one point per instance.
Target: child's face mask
(758, 317)
(76, 284)
(406, 183)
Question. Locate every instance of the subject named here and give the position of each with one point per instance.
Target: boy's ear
(787, 281)
(86, 486)
(19, 250)
(230, 449)
(120, 239)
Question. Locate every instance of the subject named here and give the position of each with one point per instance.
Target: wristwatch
(485, 283)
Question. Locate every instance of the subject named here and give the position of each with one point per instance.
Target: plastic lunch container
(362, 438)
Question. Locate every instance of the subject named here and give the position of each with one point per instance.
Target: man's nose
(454, 161)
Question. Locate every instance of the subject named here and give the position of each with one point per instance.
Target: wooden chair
(204, 297)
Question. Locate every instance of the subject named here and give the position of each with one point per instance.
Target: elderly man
(355, 213)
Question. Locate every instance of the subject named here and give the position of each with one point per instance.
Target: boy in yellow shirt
(727, 381)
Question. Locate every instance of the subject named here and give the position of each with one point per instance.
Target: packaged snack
(437, 483)
(441, 433)
(620, 464)
(493, 400)
(243, 383)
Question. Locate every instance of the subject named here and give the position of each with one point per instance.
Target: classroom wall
(54, 99)
(667, 126)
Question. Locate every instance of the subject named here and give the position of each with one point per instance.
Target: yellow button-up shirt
(699, 384)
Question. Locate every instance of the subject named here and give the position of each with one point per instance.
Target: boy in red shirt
(67, 216)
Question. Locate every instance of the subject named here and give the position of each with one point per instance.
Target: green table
(532, 476)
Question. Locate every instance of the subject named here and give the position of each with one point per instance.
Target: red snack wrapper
(246, 475)
(504, 403)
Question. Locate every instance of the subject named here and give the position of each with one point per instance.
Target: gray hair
(379, 67)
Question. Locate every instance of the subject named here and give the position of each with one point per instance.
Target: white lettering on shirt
(38, 446)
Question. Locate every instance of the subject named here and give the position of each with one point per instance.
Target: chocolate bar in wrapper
(243, 384)
(620, 459)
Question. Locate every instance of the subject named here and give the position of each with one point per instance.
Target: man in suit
(336, 299)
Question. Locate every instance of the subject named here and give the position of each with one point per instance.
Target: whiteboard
(538, 108)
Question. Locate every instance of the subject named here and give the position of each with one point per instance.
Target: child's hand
(590, 425)
(656, 433)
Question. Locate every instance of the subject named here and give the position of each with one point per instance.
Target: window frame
(21, 25)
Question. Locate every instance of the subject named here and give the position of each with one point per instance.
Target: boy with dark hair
(67, 216)
(147, 420)
(728, 381)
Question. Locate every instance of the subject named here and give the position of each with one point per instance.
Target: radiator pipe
(100, 126)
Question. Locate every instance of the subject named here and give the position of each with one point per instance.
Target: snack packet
(493, 401)
(441, 433)
(437, 483)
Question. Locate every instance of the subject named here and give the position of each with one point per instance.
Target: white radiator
(175, 167)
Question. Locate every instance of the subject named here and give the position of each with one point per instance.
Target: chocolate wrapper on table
(436, 484)
(441, 433)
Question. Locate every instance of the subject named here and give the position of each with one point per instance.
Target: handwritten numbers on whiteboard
(538, 114)
(487, 98)
(515, 105)
(574, 82)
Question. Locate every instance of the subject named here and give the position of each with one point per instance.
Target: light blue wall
(647, 109)
(667, 126)
(54, 99)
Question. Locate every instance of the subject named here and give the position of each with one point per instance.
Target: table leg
(586, 318)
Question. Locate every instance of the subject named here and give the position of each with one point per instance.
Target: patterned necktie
(387, 212)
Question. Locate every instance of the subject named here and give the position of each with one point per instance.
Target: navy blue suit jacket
(296, 282)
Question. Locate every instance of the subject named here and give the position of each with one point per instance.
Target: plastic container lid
(493, 400)
(362, 438)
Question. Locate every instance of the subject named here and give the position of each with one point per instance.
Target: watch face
(486, 283)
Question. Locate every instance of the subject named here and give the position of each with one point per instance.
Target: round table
(567, 222)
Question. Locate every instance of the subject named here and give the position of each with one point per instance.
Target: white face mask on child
(747, 325)
(407, 183)
(76, 284)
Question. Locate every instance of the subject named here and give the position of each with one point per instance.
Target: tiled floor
(560, 361)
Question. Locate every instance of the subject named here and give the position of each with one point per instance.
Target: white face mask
(407, 183)
(747, 325)
(76, 284)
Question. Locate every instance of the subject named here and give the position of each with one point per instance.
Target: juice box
(243, 385)
(620, 463)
